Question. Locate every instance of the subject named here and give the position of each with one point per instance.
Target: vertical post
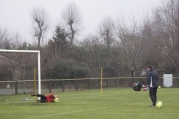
(107, 82)
(15, 87)
(50, 86)
(124, 82)
(116, 82)
(88, 83)
(76, 84)
(63, 85)
(35, 81)
(39, 74)
(101, 83)
(132, 75)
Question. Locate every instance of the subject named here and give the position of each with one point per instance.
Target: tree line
(120, 48)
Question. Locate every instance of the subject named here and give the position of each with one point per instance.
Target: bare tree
(40, 22)
(131, 46)
(106, 29)
(167, 25)
(5, 39)
(16, 41)
(93, 53)
(152, 48)
(72, 19)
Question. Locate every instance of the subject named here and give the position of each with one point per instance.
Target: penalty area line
(67, 113)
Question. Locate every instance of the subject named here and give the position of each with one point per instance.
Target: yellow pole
(34, 80)
(101, 72)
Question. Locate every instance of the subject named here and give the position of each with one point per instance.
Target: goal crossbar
(39, 68)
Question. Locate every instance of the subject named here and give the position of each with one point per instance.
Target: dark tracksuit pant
(153, 95)
(42, 97)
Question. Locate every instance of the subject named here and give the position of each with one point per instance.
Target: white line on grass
(71, 98)
(66, 113)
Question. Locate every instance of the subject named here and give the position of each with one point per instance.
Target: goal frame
(39, 66)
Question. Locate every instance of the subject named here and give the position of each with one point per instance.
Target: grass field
(118, 103)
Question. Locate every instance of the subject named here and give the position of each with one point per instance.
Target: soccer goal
(27, 56)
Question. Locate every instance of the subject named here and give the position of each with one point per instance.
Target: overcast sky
(15, 14)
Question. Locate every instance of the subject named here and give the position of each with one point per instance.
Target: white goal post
(39, 68)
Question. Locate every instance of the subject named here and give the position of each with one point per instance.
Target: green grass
(118, 103)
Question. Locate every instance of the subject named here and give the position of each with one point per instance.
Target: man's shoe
(153, 106)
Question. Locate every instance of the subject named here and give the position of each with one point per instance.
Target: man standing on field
(152, 81)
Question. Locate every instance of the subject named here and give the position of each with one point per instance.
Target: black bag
(137, 86)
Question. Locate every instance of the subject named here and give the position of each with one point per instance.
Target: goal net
(20, 72)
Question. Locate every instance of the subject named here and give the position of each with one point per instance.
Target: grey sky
(15, 14)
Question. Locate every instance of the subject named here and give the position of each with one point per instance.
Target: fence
(52, 85)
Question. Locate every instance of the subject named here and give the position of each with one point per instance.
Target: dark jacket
(152, 76)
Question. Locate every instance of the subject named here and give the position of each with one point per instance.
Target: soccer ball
(56, 99)
(159, 104)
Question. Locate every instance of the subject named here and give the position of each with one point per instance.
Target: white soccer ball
(159, 104)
